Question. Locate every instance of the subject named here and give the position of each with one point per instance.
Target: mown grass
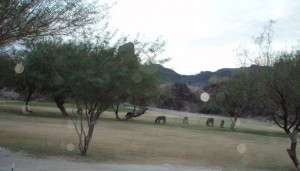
(32, 103)
(14, 108)
(173, 122)
(122, 108)
(140, 141)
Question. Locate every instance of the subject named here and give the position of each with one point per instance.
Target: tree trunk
(141, 111)
(87, 139)
(233, 122)
(116, 110)
(60, 104)
(27, 101)
(292, 150)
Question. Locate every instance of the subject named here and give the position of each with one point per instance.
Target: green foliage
(236, 94)
(40, 64)
(7, 73)
(44, 71)
(24, 19)
(140, 82)
(144, 87)
(210, 108)
(178, 97)
(90, 72)
(97, 74)
(281, 83)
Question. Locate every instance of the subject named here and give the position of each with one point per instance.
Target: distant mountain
(168, 76)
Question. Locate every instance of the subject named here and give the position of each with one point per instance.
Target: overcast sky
(202, 34)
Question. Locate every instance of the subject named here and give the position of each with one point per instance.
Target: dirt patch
(23, 162)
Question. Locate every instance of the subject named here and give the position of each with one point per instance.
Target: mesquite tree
(27, 19)
(144, 91)
(141, 84)
(237, 94)
(98, 74)
(126, 53)
(279, 81)
(282, 85)
(45, 73)
(280, 77)
(140, 92)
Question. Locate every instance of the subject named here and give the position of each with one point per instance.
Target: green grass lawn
(45, 132)
(122, 108)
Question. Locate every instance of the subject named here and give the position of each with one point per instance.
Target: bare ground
(23, 162)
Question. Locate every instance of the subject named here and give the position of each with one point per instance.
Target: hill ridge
(202, 79)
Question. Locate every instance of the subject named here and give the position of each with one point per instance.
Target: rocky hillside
(168, 76)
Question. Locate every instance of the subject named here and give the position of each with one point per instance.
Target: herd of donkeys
(163, 119)
(209, 121)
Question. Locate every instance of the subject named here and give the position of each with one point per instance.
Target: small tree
(45, 73)
(20, 81)
(279, 81)
(144, 91)
(94, 85)
(237, 94)
(141, 84)
(141, 91)
(126, 53)
(282, 85)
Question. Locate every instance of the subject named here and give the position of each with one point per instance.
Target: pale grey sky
(202, 34)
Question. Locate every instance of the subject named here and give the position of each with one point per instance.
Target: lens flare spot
(70, 147)
(204, 97)
(26, 109)
(241, 148)
(19, 68)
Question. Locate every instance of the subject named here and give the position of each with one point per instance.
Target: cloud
(202, 34)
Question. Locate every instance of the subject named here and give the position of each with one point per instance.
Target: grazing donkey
(210, 122)
(185, 120)
(159, 118)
